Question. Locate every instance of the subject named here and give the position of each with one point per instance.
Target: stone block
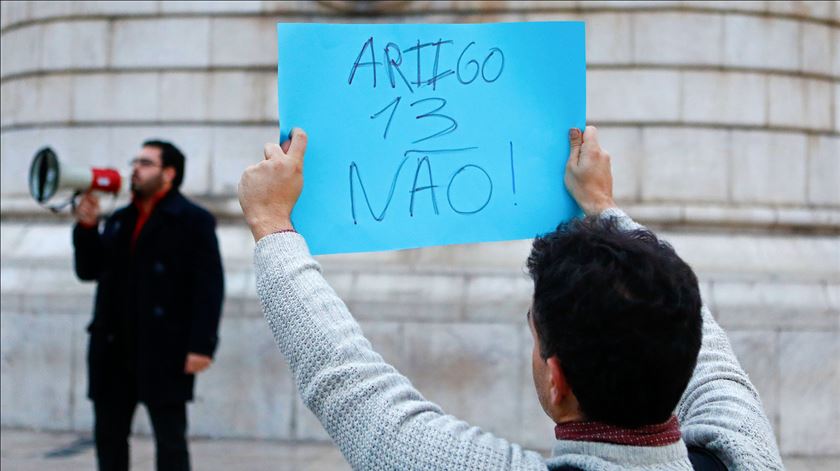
(11, 234)
(624, 145)
(498, 298)
(833, 295)
(837, 108)
(818, 96)
(20, 50)
(17, 147)
(455, 364)
(83, 146)
(761, 42)
(294, 6)
(685, 164)
(811, 463)
(269, 110)
(718, 214)
(14, 12)
(678, 38)
(20, 101)
(723, 97)
(123, 7)
(234, 148)
(758, 353)
(634, 95)
(824, 170)
(57, 281)
(54, 9)
(37, 370)
(248, 369)
(247, 6)
(755, 256)
(769, 167)
(239, 283)
(799, 103)
(47, 242)
(55, 95)
(183, 96)
(120, 97)
(373, 262)
(835, 34)
(180, 42)
(629, 4)
(816, 49)
(807, 9)
(496, 257)
(767, 304)
(243, 41)
(240, 96)
(75, 45)
(407, 297)
(741, 5)
(608, 38)
(809, 372)
(656, 213)
(81, 406)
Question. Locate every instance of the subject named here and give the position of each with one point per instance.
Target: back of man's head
(621, 312)
(170, 156)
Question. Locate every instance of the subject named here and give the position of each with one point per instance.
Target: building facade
(723, 120)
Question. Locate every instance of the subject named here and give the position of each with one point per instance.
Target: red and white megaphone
(47, 176)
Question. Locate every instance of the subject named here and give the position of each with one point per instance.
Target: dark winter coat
(155, 303)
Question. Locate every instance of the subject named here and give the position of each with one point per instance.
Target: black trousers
(112, 427)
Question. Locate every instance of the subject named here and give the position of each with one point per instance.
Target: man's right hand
(87, 212)
(588, 175)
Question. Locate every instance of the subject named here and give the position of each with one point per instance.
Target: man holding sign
(621, 342)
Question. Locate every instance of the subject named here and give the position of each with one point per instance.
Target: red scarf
(143, 215)
(647, 435)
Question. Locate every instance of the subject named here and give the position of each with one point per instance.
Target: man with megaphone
(157, 309)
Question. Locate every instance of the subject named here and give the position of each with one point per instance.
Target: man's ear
(559, 387)
(169, 174)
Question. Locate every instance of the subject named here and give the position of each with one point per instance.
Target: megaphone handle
(73, 201)
(70, 201)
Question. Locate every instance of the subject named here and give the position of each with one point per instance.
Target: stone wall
(723, 119)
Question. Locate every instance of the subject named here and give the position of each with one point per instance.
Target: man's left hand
(196, 363)
(269, 190)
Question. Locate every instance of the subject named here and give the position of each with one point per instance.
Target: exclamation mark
(512, 171)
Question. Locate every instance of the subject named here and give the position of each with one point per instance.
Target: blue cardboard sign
(431, 134)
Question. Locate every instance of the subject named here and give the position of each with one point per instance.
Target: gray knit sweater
(380, 421)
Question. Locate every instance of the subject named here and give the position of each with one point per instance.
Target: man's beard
(148, 188)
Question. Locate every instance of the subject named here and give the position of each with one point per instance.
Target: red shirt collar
(153, 201)
(648, 435)
(143, 216)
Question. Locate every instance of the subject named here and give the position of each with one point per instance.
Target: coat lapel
(169, 206)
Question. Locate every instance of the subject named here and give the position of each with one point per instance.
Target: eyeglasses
(143, 162)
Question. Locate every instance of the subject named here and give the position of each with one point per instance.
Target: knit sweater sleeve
(373, 413)
(720, 409)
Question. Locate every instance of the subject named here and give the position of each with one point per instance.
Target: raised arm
(374, 415)
(720, 409)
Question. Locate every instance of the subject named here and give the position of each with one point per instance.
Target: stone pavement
(24, 450)
(27, 450)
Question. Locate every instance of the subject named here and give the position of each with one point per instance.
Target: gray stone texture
(722, 120)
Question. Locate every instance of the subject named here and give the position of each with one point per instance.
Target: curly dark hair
(621, 312)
